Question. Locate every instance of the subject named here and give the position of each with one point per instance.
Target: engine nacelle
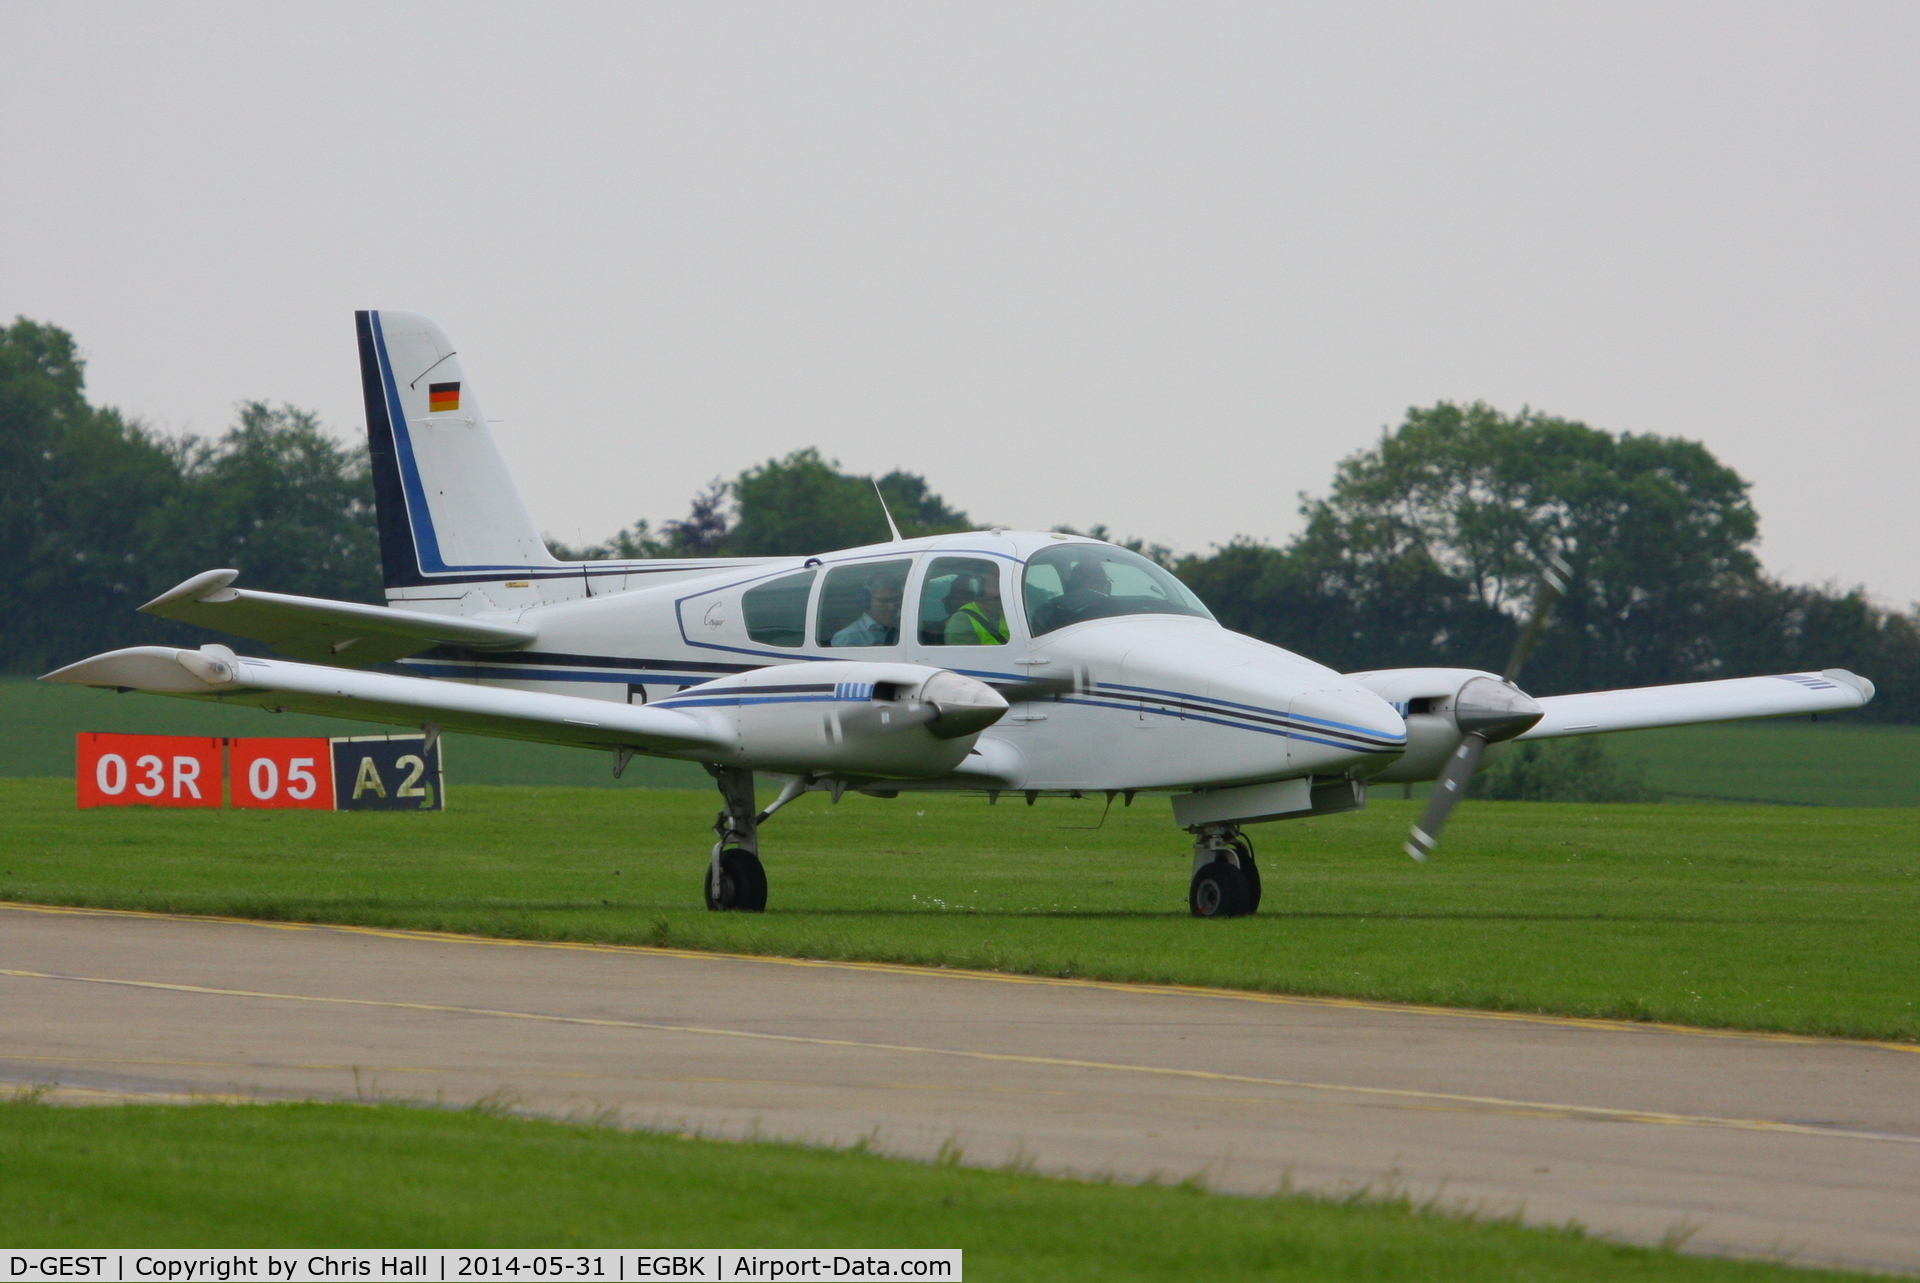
(846, 719)
(1441, 707)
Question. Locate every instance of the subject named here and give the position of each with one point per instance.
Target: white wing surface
(215, 673)
(1781, 695)
(333, 632)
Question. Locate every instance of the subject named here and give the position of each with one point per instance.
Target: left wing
(217, 673)
(1735, 699)
(845, 719)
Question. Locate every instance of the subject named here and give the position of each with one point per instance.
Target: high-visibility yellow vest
(984, 631)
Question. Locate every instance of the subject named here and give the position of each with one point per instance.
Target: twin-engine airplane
(997, 661)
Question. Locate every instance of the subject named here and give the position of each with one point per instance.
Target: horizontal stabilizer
(332, 632)
(214, 672)
(1732, 700)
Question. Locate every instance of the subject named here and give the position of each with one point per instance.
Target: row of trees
(1429, 549)
(1426, 550)
(99, 514)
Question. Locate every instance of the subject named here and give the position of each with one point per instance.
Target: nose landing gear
(1226, 878)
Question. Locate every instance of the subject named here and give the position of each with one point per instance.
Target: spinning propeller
(1074, 681)
(1487, 712)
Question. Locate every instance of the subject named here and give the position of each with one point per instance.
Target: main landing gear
(1226, 879)
(735, 879)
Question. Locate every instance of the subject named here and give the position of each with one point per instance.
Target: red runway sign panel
(148, 770)
(267, 773)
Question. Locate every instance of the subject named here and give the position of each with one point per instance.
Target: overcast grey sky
(1153, 265)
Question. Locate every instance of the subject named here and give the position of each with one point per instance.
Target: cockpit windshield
(1079, 581)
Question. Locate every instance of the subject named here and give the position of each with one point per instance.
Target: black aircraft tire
(1250, 870)
(743, 883)
(1218, 891)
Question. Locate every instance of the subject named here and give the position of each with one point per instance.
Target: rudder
(448, 508)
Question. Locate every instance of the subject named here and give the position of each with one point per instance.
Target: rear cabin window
(776, 611)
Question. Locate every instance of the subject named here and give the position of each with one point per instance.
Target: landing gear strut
(1226, 879)
(734, 878)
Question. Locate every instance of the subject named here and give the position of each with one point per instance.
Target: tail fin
(448, 508)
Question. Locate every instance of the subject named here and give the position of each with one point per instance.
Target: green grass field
(1832, 762)
(1783, 918)
(387, 1176)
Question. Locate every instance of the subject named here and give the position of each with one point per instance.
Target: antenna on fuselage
(883, 509)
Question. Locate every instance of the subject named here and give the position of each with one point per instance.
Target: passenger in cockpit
(978, 618)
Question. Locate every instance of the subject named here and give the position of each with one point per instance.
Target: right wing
(216, 673)
(1731, 700)
(331, 632)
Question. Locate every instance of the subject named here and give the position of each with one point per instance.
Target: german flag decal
(443, 396)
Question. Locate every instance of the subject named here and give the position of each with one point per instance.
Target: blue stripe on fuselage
(1199, 708)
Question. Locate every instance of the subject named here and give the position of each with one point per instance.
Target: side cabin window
(860, 604)
(776, 611)
(960, 603)
(1072, 582)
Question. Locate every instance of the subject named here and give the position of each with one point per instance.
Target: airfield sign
(148, 770)
(342, 773)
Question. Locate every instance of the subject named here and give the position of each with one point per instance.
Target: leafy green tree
(278, 499)
(804, 503)
(41, 381)
(703, 531)
(1299, 597)
(1428, 550)
(77, 488)
(99, 514)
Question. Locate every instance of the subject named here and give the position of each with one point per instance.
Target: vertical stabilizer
(448, 507)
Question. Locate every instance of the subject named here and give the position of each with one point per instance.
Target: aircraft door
(958, 618)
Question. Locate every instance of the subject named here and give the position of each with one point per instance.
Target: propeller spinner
(1487, 712)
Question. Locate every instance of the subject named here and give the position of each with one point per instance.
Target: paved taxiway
(1755, 1144)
